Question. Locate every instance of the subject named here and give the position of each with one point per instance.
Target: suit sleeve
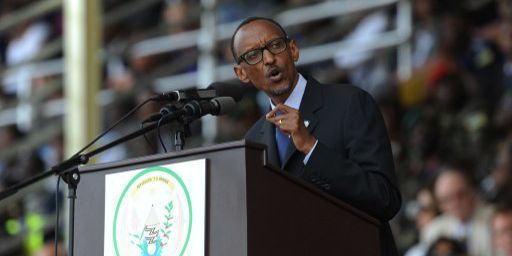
(363, 173)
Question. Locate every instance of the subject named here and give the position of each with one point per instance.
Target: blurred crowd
(449, 122)
(450, 126)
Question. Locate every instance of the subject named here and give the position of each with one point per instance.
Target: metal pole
(82, 72)
(82, 39)
(404, 27)
(207, 62)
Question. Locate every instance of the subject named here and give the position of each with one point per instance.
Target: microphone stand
(68, 171)
(182, 132)
(179, 139)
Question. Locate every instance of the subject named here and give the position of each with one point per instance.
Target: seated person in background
(463, 216)
(444, 246)
(426, 212)
(501, 225)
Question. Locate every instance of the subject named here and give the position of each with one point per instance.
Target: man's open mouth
(274, 74)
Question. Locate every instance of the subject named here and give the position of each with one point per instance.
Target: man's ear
(294, 49)
(240, 73)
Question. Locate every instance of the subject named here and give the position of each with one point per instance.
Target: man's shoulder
(337, 90)
(483, 212)
(338, 87)
(443, 220)
(441, 225)
(342, 97)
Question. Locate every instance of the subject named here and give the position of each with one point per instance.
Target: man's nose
(268, 57)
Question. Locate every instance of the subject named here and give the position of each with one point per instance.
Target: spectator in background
(505, 41)
(426, 32)
(462, 123)
(485, 60)
(448, 100)
(502, 229)
(503, 116)
(366, 70)
(26, 41)
(445, 246)
(498, 184)
(446, 59)
(463, 216)
(422, 145)
(180, 16)
(8, 137)
(23, 44)
(426, 212)
(391, 111)
(427, 208)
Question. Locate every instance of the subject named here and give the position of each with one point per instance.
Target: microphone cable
(151, 145)
(114, 125)
(160, 135)
(164, 111)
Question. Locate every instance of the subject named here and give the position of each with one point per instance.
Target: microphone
(163, 111)
(196, 109)
(216, 106)
(214, 90)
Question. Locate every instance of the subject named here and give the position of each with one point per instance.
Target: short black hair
(503, 206)
(247, 21)
(460, 170)
(456, 246)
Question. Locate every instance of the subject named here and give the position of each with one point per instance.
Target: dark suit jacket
(352, 159)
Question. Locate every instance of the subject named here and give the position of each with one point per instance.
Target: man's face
(502, 232)
(275, 74)
(455, 196)
(427, 208)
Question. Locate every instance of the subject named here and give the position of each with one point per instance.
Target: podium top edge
(174, 154)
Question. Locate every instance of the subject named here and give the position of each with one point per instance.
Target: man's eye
(251, 55)
(275, 45)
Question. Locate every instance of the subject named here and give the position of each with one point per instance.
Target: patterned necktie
(282, 143)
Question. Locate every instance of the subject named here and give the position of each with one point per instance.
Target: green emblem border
(140, 174)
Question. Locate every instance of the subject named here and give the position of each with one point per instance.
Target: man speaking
(332, 136)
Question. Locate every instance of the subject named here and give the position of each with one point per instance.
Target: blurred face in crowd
(446, 247)
(455, 196)
(427, 208)
(423, 9)
(502, 232)
(503, 170)
(275, 74)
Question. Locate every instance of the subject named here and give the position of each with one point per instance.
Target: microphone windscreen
(224, 105)
(235, 91)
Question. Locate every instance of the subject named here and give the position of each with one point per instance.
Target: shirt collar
(295, 97)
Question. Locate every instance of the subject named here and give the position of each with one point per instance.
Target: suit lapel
(311, 102)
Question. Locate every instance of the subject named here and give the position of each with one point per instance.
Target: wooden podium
(251, 208)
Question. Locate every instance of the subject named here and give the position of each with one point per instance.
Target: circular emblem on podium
(153, 215)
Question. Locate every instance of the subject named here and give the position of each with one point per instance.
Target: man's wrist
(308, 155)
(308, 145)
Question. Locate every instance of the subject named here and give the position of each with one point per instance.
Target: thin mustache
(271, 69)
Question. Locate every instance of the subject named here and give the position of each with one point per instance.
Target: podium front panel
(226, 200)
